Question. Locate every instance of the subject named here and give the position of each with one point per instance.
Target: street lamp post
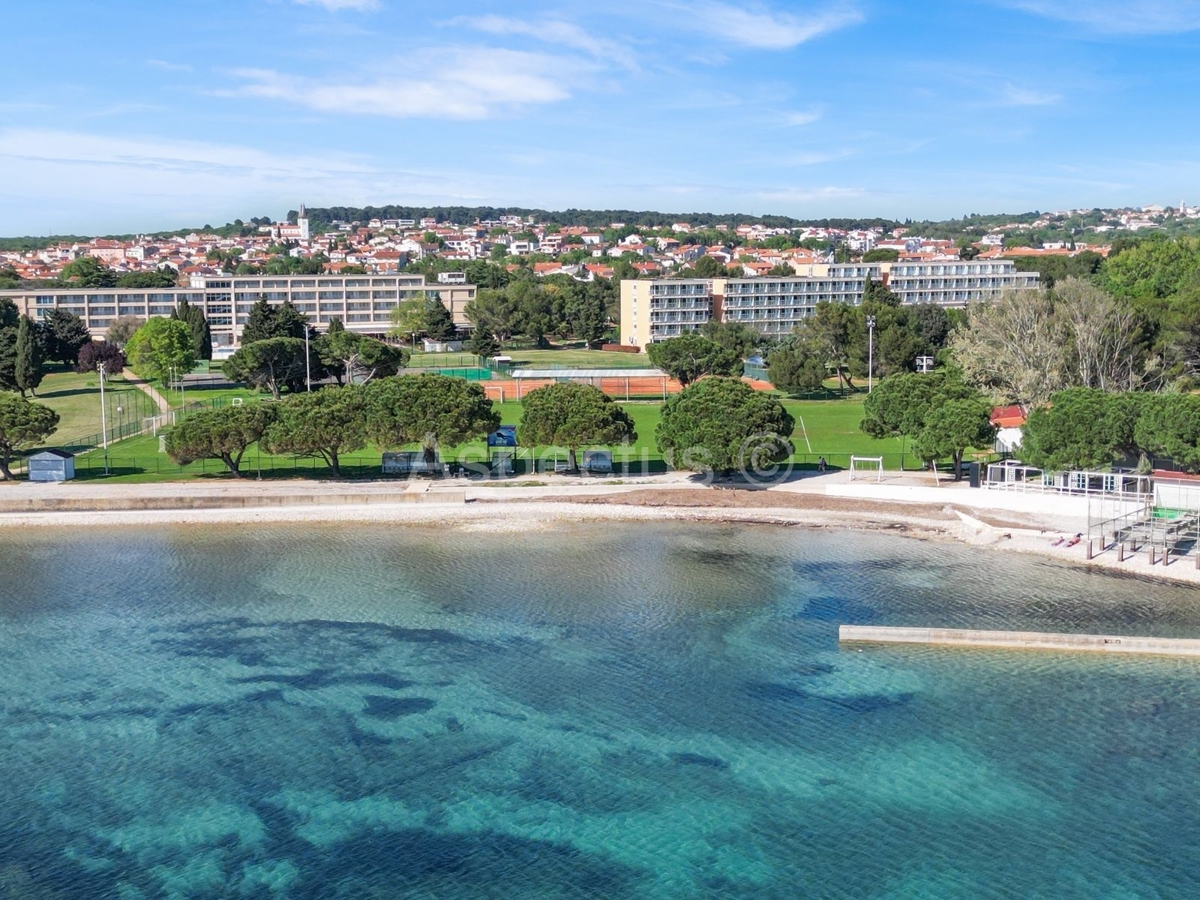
(870, 353)
(103, 419)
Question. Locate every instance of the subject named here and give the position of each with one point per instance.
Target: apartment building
(955, 282)
(664, 308)
(364, 303)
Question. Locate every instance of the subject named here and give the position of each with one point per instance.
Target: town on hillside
(362, 266)
(645, 245)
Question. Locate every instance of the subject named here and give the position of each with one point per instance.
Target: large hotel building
(364, 303)
(666, 307)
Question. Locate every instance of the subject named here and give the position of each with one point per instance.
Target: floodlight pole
(307, 362)
(103, 419)
(870, 353)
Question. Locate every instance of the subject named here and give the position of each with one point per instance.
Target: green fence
(93, 466)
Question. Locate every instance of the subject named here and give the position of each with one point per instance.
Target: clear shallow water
(613, 711)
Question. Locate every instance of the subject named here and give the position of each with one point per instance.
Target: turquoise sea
(610, 711)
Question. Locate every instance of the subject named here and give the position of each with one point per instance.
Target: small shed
(51, 465)
(412, 463)
(432, 346)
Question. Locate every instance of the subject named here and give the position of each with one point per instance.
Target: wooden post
(1089, 548)
(1153, 558)
(1120, 553)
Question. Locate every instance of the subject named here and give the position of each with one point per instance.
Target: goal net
(866, 467)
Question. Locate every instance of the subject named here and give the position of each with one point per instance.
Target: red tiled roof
(1008, 417)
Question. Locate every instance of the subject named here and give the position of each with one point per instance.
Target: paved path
(146, 388)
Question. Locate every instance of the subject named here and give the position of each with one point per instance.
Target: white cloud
(552, 31)
(1014, 95)
(814, 158)
(1119, 16)
(800, 117)
(22, 106)
(122, 109)
(445, 83)
(808, 195)
(151, 154)
(338, 5)
(77, 180)
(168, 66)
(755, 25)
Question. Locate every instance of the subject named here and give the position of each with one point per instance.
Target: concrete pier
(1020, 640)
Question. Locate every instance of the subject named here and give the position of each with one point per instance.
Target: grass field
(76, 399)
(538, 359)
(831, 429)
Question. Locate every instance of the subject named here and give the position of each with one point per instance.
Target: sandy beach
(996, 521)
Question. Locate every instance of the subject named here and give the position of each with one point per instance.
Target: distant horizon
(677, 215)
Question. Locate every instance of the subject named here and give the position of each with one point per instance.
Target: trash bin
(973, 473)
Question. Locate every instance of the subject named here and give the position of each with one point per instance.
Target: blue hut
(51, 465)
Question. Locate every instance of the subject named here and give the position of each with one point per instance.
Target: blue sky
(146, 115)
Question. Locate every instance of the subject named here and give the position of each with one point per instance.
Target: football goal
(862, 467)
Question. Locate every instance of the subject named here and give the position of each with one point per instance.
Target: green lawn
(574, 358)
(579, 359)
(831, 428)
(76, 399)
(214, 397)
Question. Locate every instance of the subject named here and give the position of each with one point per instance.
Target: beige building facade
(658, 309)
(364, 303)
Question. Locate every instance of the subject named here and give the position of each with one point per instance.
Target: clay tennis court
(619, 388)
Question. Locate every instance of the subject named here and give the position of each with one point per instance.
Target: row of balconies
(908, 284)
(801, 300)
(794, 287)
(242, 283)
(756, 314)
(697, 303)
(679, 290)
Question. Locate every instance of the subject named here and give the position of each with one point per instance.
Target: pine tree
(289, 321)
(197, 322)
(439, 325)
(335, 326)
(30, 365)
(206, 345)
(483, 343)
(63, 335)
(260, 324)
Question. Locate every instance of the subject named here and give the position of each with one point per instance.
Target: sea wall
(1020, 640)
(1070, 508)
(255, 500)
